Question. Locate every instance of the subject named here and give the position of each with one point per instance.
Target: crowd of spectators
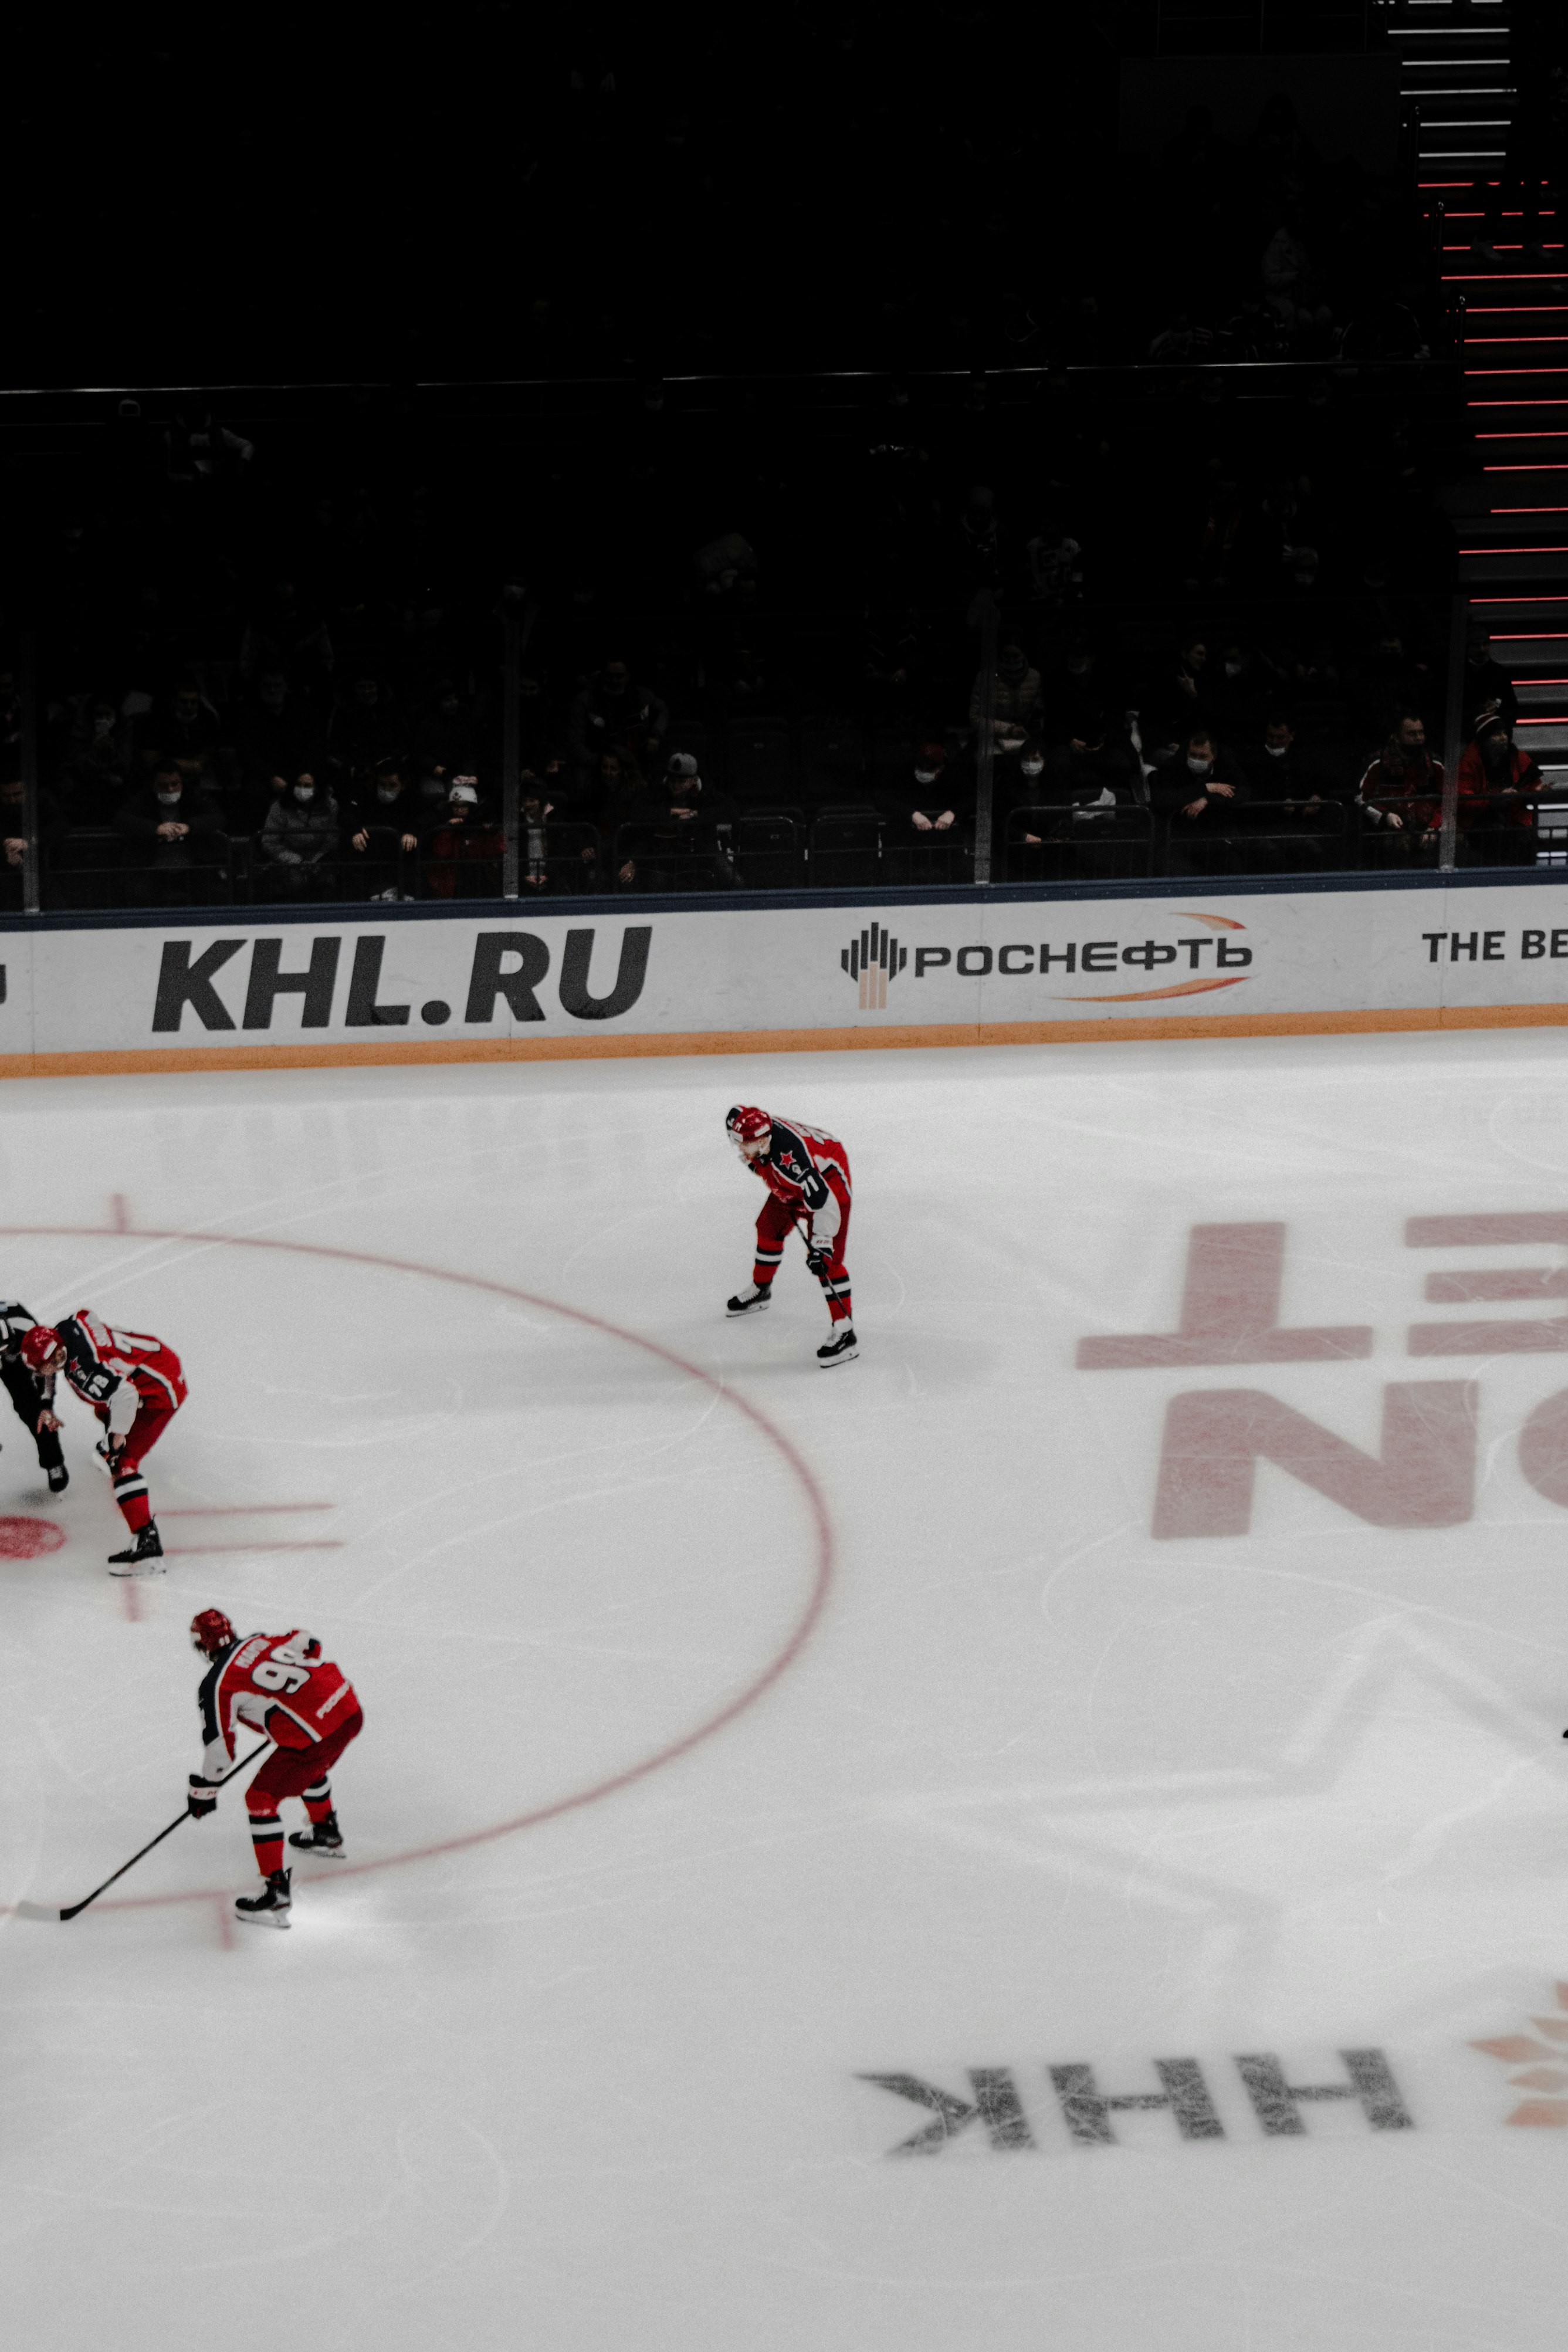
(273, 779)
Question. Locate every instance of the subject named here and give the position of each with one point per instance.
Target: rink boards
(777, 973)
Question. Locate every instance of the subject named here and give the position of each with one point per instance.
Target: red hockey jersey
(119, 1369)
(272, 1682)
(807, 1168)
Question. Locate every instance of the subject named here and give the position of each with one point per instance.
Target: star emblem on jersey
(874, 960)
(1543, 2060)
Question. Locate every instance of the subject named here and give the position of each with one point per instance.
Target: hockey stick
(50, 1911)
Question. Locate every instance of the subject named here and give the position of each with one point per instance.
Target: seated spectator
(173, 825)
(446, 741)
(365, 727)
(52, 828)
(931, 797)
(1085, 780)
(1284, 773)
(618, 793)
(614, 713)
(1015, 698)
(537, 807)
(1178, 691)
(383, 821)
(1495, 812)
(463, 859)
(1401, 794)
(1201, 794)
(186, 729)
(96, 767)
(696, 812)
(300, 834)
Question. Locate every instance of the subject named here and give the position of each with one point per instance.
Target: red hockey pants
(153, 1418)
(774, 1227)
(294, 1772)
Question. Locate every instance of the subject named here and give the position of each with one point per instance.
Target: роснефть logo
(874, 960)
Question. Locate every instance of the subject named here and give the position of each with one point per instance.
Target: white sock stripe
(123, 1486)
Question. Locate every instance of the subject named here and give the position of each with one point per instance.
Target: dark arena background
(690, 703)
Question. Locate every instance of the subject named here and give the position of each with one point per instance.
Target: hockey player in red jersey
(279, 1684)
(807, 1172)
(135, 1386)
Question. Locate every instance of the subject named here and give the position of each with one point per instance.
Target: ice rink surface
(1120, 1738)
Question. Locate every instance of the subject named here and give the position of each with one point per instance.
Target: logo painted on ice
(1527, 2052)
(874, 960)
(1083, 2111)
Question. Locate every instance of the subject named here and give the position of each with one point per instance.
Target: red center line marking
(234, 1510)
(327, 1543)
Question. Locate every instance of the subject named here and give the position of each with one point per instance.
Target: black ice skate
(271, 1907)
(321, 1837)
(842, 1351)
(750, 1300)
(142, 1557)
(59, 1478)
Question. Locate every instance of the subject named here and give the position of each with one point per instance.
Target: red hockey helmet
(211, 1632)
(38, 1345)
(749, 1130)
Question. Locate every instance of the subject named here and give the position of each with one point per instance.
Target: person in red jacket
(1495, 784)
(281, 1684)
(807, 1172)
(1401, 794)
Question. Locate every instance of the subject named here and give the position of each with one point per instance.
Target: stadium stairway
(1511, 515)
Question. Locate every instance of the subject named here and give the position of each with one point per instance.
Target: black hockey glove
(818, 1259)
(202, 1798)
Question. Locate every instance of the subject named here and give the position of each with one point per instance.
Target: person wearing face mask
(300, 836)
(1070, 794)
(384, 828)
(1015, 698)
(1200, 795)
(933, 799)
(173, 828)
(1296, 799)
(1496, 812)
